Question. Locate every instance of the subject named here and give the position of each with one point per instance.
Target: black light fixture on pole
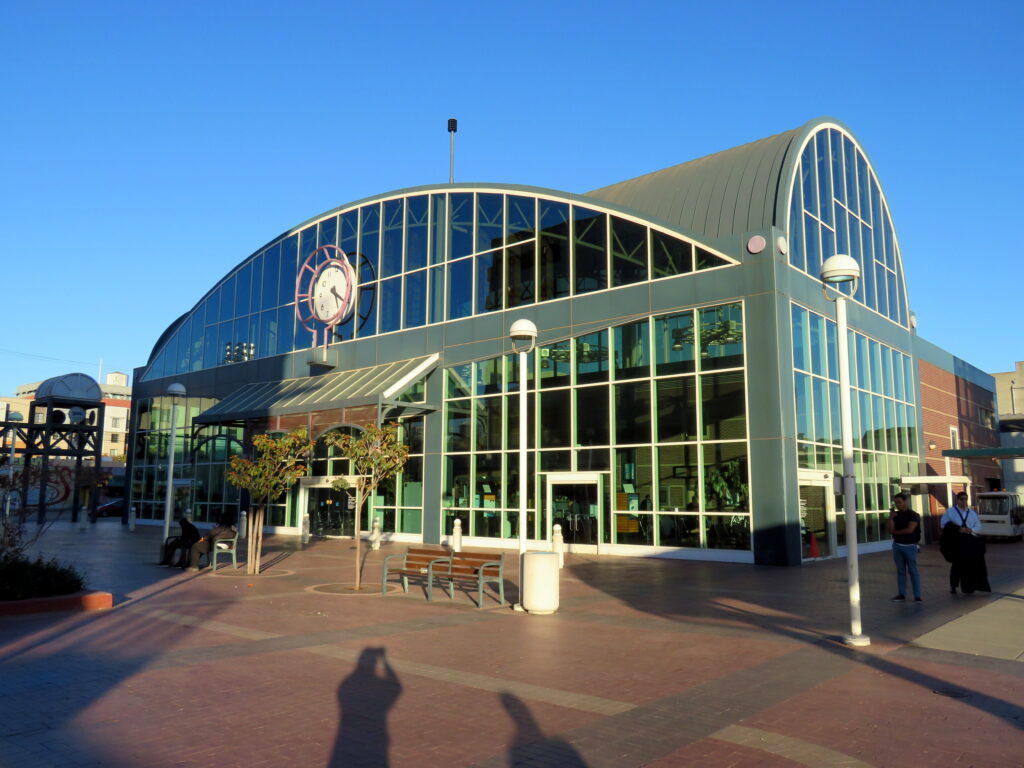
(453, 126)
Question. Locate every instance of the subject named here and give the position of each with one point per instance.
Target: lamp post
(524, 335)
(13, 432)
(835, 271)
(175, 390)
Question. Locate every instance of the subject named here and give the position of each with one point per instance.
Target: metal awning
(985, 453)
(363, 386)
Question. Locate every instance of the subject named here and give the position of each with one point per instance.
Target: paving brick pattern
(648, 662)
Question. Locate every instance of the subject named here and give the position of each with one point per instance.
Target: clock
(325, 288)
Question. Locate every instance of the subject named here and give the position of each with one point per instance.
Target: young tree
(375, 455)
(278, 463)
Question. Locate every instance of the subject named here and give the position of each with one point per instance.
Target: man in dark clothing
(904, 526)
(224, 530)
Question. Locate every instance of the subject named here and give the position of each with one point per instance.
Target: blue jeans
(905, 556)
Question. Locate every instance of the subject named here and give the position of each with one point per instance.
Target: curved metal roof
(731, 192)
(70, 386)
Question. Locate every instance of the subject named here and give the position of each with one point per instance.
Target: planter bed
(86, 600)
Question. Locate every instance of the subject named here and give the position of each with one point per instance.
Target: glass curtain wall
(883, 412)
(657, 405)
(426, 259)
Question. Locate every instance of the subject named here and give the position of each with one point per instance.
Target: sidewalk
(648, 662)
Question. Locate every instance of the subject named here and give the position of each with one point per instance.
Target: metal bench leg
(451, 589)
(384, 583)
(405, 582)
(430, 588)
(501, 590)
(480, 594)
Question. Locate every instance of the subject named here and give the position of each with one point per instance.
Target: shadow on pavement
(365, 697)
(530, 746)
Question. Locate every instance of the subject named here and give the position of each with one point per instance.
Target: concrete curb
(86, 600)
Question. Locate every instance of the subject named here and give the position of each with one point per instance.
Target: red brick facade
(950, 401)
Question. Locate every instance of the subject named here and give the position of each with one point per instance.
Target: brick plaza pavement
(648, 662)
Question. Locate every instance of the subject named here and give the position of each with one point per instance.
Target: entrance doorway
(817, 516)
(574, 501)
(331, 512)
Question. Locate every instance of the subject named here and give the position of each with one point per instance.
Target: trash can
(540, 582)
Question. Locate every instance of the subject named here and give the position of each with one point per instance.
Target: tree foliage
(278, 462)
(375, 454)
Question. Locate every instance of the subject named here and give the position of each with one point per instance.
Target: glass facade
(657, 407)
(883, 410)
(425, 259)
(837, 207)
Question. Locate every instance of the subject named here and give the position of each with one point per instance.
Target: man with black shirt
(904, 526)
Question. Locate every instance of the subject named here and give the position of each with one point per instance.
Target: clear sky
(147, 147)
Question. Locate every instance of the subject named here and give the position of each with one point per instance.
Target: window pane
(721, 337)
(629, 252)
(633, 412)
(460, 289)
(512, 421)
(679, 530)
(800, 356)
(488, 423)
(671, 256)
(328, 234)
(673, 344)
(520, 276)
(591, 254)
(367, 320)
(678, 473)
(459, 423)
(438, 229)
(490, 221)
(271, 277)
(592, 415)
(676, 409)
(349, 235)
(632, 358)
(369, 243)
(726, 486)
(459, 380)
(555, 417)
(391, 304)
(437, 294)
(725, 532)
(489, 282)
(521, 224)
(554, 365)
(391, 247)
(554, 250)
(634, 476)
(488, 376)
(415, 299)
(592, 357)
(289, 270)
(723, 408)
(456, 481)
(460, 225)
(416, 232)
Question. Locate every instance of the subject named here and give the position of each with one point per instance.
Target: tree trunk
(359, 539)
(254, 539)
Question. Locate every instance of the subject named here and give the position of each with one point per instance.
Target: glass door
(817, 520)
(331, 512)
(574, 502)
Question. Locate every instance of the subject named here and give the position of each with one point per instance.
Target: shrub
(21, 578)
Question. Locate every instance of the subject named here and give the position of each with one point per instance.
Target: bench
(431, 564)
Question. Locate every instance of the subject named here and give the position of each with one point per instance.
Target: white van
(1001, 515)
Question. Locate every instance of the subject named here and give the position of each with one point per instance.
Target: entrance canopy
(363, 386)
(1014, 452)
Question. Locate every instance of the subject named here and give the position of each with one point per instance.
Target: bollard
(83, 518)
(457, 535)
(305, 528)
(131, 519)
(375, 534)
(558, 544)
(241, 524)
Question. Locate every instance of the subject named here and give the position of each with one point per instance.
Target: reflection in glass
(369, 243)
(554, 250)
(678, 530)
(460, 289)
(592, 357)
(489, 281)
(520, 274)
(671, 256)
(633, 412)
(415, 299)
(676, 409)
(391, 246)
(521, 225)
(459, 424)
(629, 252)
(555, 418)
(460, 225)
(416, 236)
(723, 406)
(721, 337)
(391, 304)
(726, 485)
(592, 415)
(673, 344)
(727, 532)
(678, 477)
(590, 249)
(490, 221)
(632, 358)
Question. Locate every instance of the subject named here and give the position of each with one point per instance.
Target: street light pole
(175, 390)
(525, 332)
(837, 270)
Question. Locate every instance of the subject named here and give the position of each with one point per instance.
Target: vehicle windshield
(993, 506)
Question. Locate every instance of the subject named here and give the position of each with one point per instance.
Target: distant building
(1010, 406)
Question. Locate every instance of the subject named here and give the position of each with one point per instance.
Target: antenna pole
(453, 126)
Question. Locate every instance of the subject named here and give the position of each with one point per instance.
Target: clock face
(331, 293)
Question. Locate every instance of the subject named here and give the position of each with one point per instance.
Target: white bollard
(375, 535)
(305, 528)
(241, 524)
(457, 535)
(83, 518)
(558, 544)
(131, 519)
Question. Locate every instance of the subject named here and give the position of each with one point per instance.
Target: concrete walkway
(648, 662)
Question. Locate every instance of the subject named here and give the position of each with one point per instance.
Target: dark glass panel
(289, 270)
(512, 421)
(459, 421)
(416, 232)
(460, 289)
(366, 321)
(850, 161)
(593, 460)
(349, 235)
(488, 494)
(721, 337)
(212, 302)
(897, 375)
(391, 244)
(390, 305)
(824, 180)
(555, 365)
(707, 260)
(633, 412)
(521, 219)
(460, 225)
(512, 487)
(520, 276)
(328, 234)
(678, 478)
(415, 299)
(678, 530)
(676, 409)
(488, 420)
(555, 461)
(456, 481)
(836, 434)
(632, 355)
(268, 333)
(629, 252)
(797, 257)
(196, 354)
(512, 368)
(592, 357)
(590, 240)
(808, 181)
(836, 161)
(271, 278)
(800, 356)
(672, 256)
(890, 282)
(726, 485)
(723, 406)
(820, 408)
(490, 221)
(438, 229)
(227, 299)
(184, 345)
(634, 478)
(345, 329)
(243, 287)
(211, 352)
(817, 328)
(673, 344)
(489, 281)
(554, 250)
(592, 415)
(555, 418)
(285, 330)
(412, 434)
(459, 380)
(831, 351)
(488, 376)
(727, 532)
(369, 243)
(437, 294)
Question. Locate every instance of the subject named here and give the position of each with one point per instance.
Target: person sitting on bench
(225, 530)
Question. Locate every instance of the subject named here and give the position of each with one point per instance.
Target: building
(117, 399)
(684, 396)
(1010, 400)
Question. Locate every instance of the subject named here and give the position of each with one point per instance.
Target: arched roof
(728, 193)
(71, 386)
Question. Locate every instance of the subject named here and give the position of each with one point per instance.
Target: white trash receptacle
(540, 582)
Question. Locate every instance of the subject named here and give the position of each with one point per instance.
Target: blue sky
(147, 147)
